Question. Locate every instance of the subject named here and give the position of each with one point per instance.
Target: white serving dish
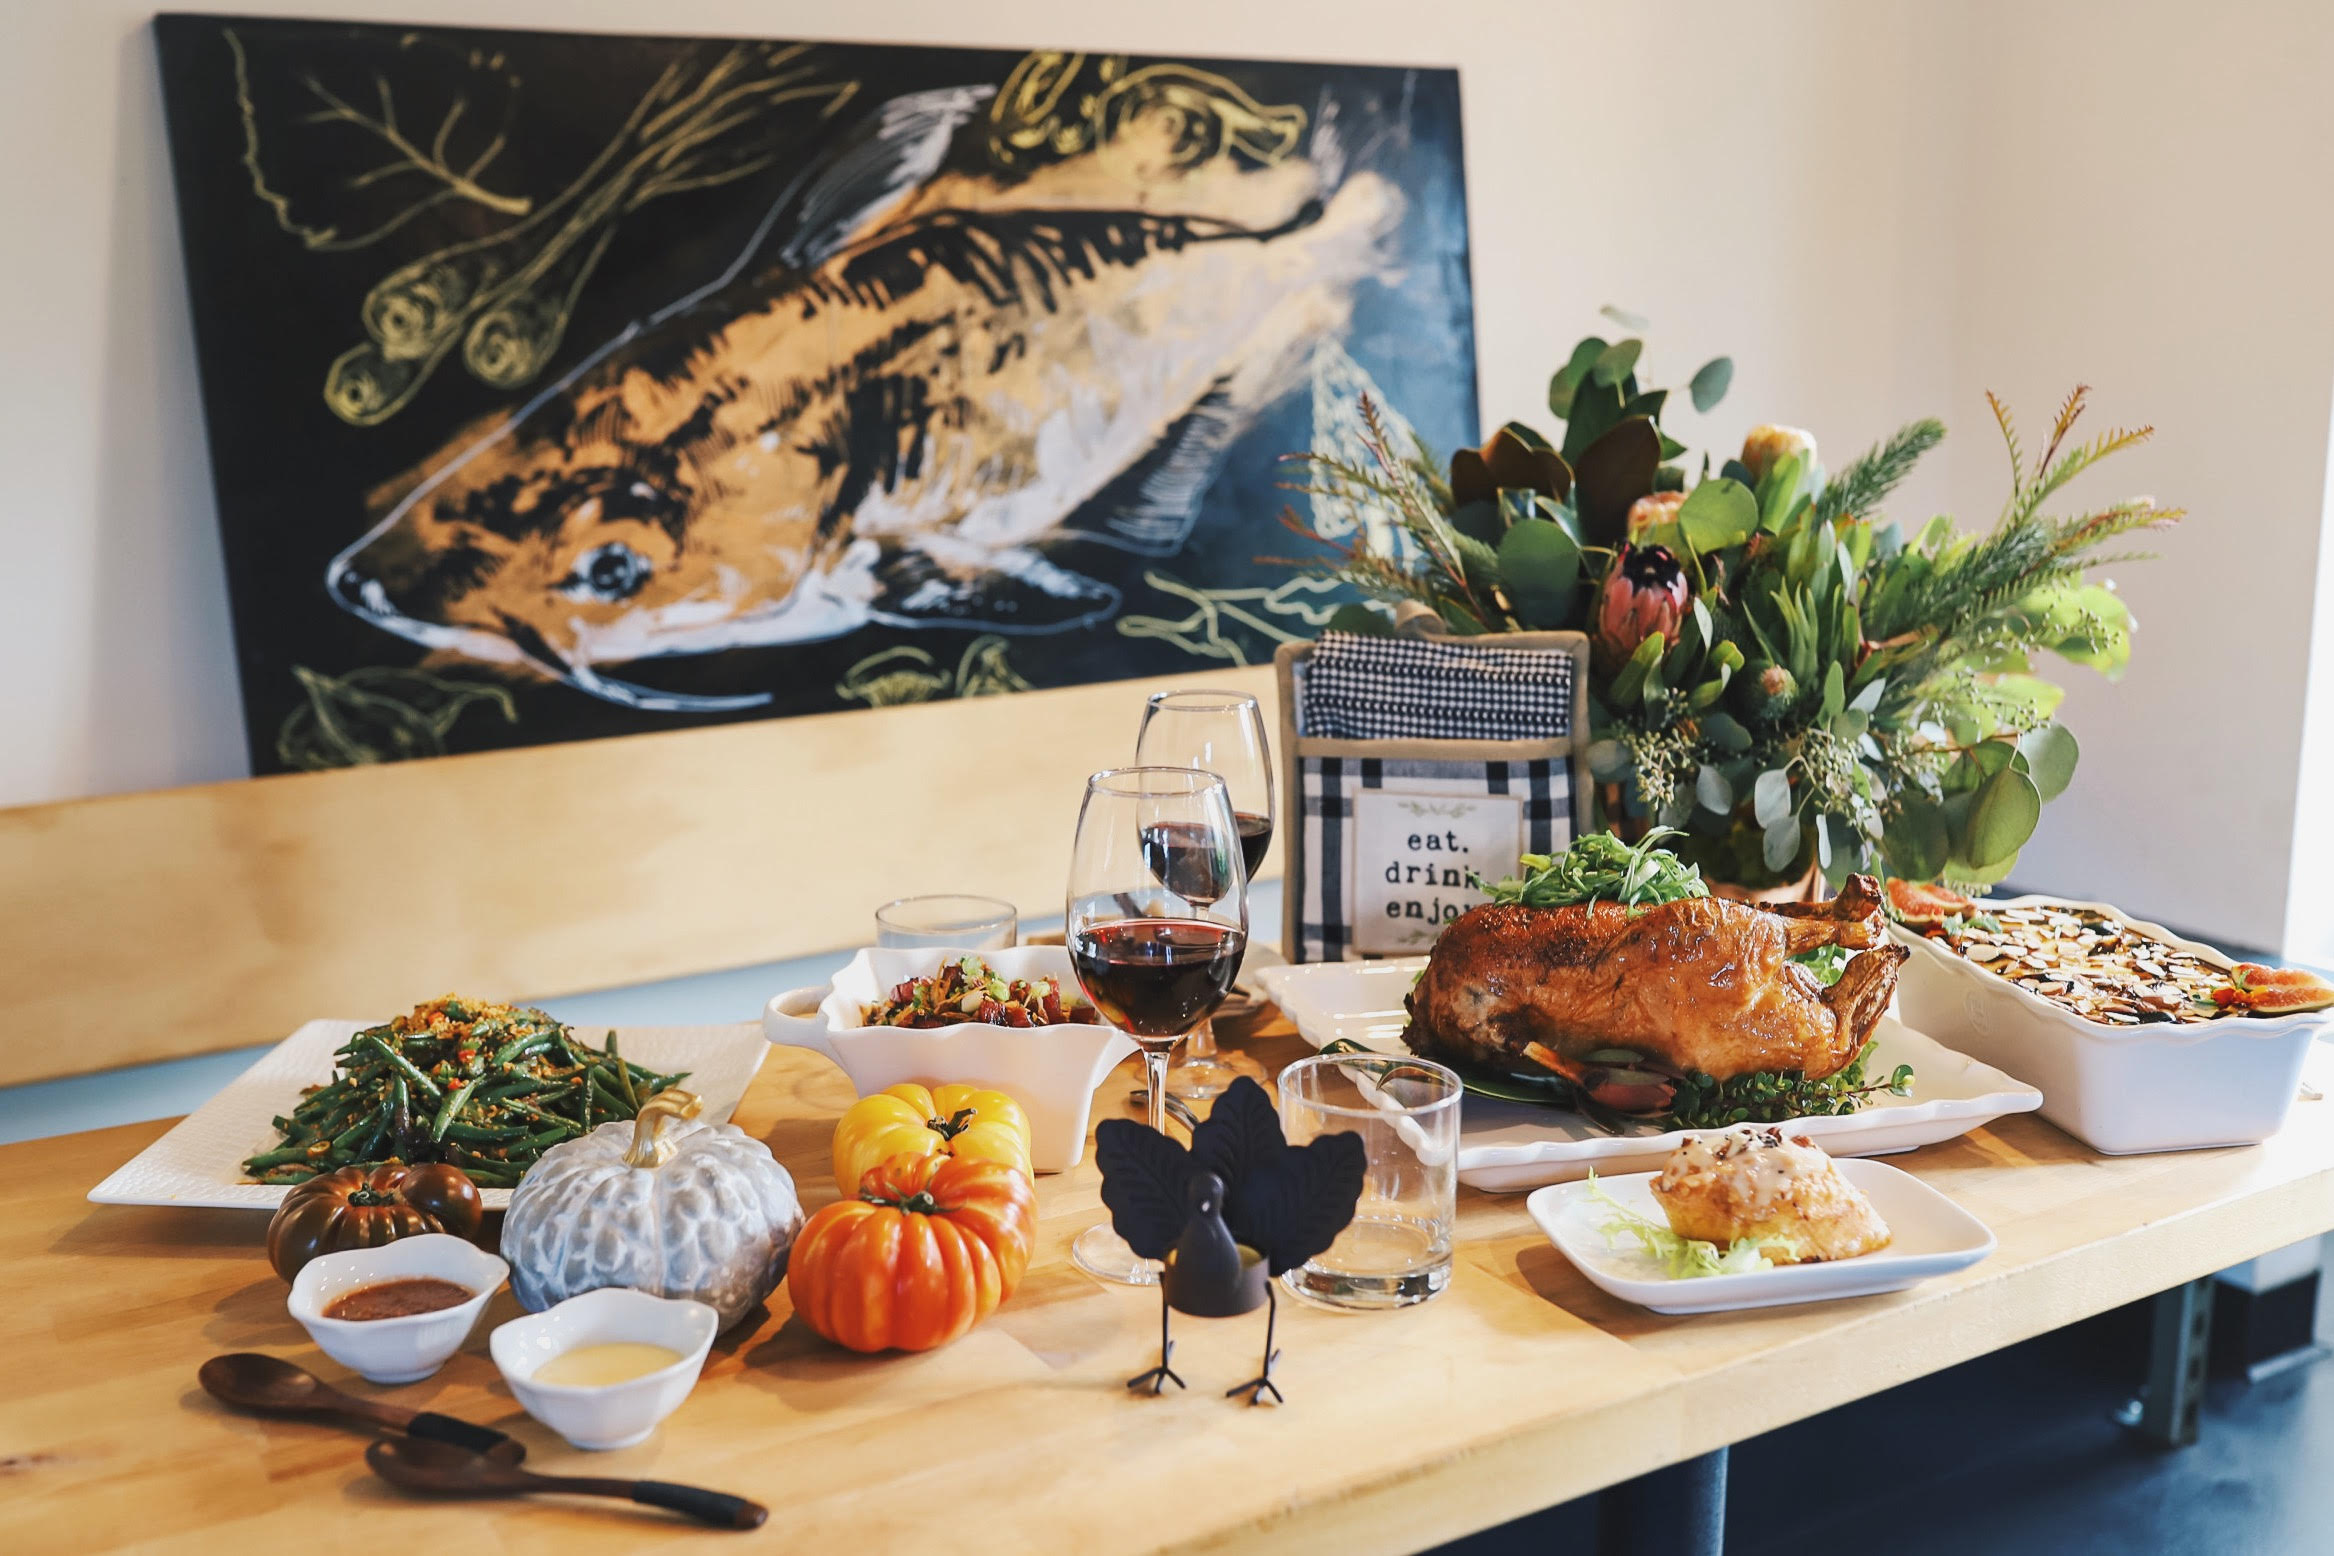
(2118, 1089)
(608, 1415)
(395, 1350)
(1051, 1071)
(199, 1163)
(1929, 1236)
(1507, 1146)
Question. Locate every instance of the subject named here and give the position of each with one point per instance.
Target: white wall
(2145, 205)
(1857, 200)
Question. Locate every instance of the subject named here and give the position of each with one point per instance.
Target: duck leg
(1157, 1379)
(1257, 1387)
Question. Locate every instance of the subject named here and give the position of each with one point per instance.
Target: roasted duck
(1699, 984)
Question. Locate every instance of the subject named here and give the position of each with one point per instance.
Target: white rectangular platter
(200, 1161)
(1509, 1146)
(1929, 1235)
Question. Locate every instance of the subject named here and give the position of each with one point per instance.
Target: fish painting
(977, 367)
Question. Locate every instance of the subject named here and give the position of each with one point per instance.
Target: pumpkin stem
(364, 1196)
(921, 1203)
(649, 1147)
(953, 1125)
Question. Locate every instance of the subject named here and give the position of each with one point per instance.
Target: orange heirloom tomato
(928, 1249)
(961, 1121)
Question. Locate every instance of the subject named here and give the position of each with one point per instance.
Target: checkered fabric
(1361, 687)
(1328, 785)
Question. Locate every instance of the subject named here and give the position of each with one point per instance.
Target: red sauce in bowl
(399, 1299)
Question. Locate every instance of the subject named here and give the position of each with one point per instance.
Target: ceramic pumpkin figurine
(928, 1249)
(961, 1121)
(364, 1207)
(660, 1204)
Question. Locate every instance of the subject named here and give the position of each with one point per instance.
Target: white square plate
(200, 1162)
(1930, 1236)
(1507, 1146)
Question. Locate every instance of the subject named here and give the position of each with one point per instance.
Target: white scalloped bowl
(605, 1415)
(1051, 1071)
(2120, 1090)
(395, 1350)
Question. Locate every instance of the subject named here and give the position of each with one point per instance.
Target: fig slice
(1921, 906)
(2276, 991)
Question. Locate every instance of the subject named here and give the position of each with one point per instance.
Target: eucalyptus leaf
(1717, 514)
(1835, 690)
(1823, 842)
(1624, 318)
(1779, 845)
(1565, 386)
(1712, 789)
(2003, 817)
(1917, 844)
(1711, 382)
(1608, 761)
(2051, 754)
(1617, 361)
(1539, 567)
(1771, 797)
(1725, 732)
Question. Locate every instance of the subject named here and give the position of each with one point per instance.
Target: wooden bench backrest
(149, 926)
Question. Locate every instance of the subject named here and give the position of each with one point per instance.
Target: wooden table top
(1520, 1387)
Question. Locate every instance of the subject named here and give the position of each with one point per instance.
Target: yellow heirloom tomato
(965, 1122)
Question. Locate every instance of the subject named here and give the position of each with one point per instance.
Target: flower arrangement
(1792, 681)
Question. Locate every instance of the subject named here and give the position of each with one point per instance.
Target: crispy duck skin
(1702, 984)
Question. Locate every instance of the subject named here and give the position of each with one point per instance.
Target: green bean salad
(486, 1087)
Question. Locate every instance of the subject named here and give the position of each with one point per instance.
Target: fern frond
(2078, 460)
(1876, 472)
(2010, 436)
(2070, 411)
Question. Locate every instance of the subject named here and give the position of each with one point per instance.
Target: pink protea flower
(1645, 593)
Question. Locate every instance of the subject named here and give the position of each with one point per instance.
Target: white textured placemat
(200, 1162)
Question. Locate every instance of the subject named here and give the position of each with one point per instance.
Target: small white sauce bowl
(608, 1415)
(395, 1350)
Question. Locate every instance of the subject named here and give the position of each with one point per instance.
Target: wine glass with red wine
(1220, 733)
(1156, 922)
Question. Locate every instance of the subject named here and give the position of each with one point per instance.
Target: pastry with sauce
(1754, 1181)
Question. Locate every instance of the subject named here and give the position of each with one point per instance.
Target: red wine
(1255, 838)
(1157, 977)
(1189, 860)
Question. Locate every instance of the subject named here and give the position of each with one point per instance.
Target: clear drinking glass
(955, 921)
(1398, 1249)
(1220, 733)
(1156, 921)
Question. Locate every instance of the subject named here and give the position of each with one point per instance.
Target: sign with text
(1411, 855)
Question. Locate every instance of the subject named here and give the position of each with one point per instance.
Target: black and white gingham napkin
(1362, 687)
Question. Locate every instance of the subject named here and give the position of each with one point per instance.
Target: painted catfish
(898, 414)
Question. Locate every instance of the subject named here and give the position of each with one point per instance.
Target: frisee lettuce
(1600, 868)
(1681, 1258)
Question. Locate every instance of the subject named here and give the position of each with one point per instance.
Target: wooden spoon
(439, 1469)
(255, 1382)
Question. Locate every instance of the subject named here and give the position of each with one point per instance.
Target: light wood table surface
(1520, 1387)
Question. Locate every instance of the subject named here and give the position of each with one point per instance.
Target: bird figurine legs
(1257, 1387)
(1157, 1379)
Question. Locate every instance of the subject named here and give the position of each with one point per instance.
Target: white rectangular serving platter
(1505, 1147)
(1929, 1236)
(199, 1163)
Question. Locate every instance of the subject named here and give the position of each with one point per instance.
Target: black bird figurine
(1236, 1209)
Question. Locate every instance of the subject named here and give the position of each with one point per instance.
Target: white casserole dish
(2165, 1087)
(1051, 1071)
